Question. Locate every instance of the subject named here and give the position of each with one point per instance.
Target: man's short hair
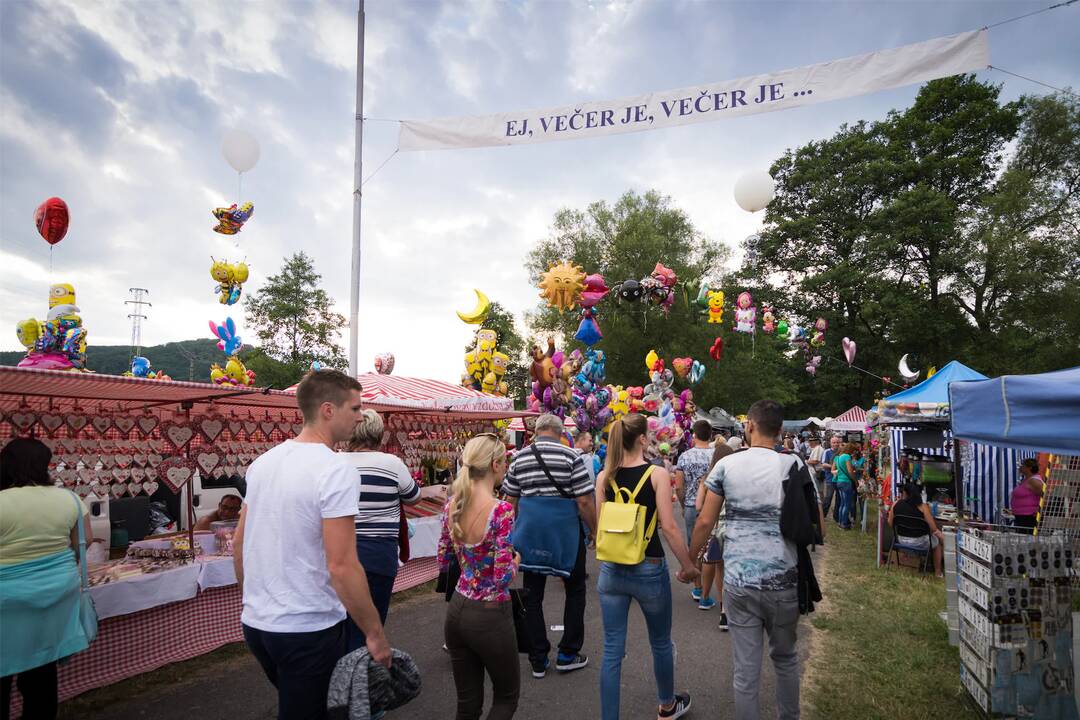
(230, 495)
(703, 430)
(319, 386)
(549, 424)
(768, 415)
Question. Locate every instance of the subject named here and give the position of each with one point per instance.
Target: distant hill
(172, 357)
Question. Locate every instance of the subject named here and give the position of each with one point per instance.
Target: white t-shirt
(290, 490)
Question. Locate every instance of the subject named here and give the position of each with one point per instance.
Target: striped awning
(853, 418)
(63, 390)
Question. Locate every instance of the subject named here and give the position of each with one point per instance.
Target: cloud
(120, 107)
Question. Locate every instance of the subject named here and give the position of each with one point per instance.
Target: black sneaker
(680, 708)
(723, 621)
(540, 669)
(566, 664)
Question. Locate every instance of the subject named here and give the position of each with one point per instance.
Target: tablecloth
(425, 538)
(143, 592)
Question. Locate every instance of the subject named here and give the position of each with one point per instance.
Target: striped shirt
(526, 478)
(384, 484)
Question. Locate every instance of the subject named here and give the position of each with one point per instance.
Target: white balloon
(241, 150)
(906, 372)
(754, 190)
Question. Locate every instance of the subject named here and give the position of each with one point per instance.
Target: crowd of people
(316, 555)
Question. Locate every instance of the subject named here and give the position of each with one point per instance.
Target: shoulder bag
(87, 612)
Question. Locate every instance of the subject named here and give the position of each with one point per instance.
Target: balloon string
(50, 263)
(856, 367)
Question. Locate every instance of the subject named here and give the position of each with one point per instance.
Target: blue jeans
(830, 491)
(648, 583)
(846, 492)
(690, 514)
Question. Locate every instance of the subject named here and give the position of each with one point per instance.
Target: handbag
(87, 612)
(517, 609)
(547, 530)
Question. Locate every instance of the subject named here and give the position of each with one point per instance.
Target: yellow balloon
(651, 359)
(479, 313)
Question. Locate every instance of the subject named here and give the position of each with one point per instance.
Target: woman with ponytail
(479, 626)
(648, 582)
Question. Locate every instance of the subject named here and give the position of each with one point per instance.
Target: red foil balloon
(717, 349)
(51, 218)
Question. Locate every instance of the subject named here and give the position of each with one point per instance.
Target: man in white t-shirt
(295, 551)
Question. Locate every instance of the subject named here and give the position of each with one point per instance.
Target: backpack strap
(630, 497)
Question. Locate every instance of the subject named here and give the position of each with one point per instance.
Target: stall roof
(1027, 412)
(854, 418)
(63, 390)
(935, 389)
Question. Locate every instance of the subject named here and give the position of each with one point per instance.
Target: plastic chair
(913, 528)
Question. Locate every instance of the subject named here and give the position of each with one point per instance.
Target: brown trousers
(480, 637)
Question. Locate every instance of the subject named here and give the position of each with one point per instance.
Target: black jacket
(799, 520)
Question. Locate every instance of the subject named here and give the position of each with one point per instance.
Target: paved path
(235, 688)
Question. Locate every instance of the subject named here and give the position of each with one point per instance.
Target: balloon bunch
(231, 219)
(657, 288)
(140, 368)
(230, 278)
(799, 340)
(550, 390)
(688, 369)
(234, 372)
(485, 366)
(593, 291)
(685, 413)
(659, 398)
(590, 398)
(745, 313)
(59, 341)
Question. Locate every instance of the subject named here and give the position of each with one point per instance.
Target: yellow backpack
(621, 535)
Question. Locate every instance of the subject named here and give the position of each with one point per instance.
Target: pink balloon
(849, 350)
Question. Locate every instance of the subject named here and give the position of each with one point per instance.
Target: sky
(120, 108)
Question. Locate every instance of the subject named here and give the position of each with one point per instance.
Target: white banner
(769, 92)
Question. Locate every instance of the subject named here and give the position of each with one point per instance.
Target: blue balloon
(588, 332)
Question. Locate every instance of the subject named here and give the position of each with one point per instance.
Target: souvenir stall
(850, 424)
(121, 442)
(1018, 634)
(915, 440)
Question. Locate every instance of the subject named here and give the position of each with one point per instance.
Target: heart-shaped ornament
(285, 428)
(124, 423)
(242, 471)
(206, 462)
(211, 428)
(122, 460)
(154, 459)
(177, 476)
(137, 473)
(118, 490)
(267, 428)
(178, 435)
(108, 462)
(297, 428)
(76, 422)
(119, 474)
(134, 488)
(150, 487)
(51, 422)
(235, 427)
(98, 488)
(139, 459)
(86, 475)
(250, 426)
(101, 423)
(82, 490)
(147, 424)
(23, 420)
(151, 473)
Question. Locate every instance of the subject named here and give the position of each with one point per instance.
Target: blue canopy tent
(927, 401)
(1025, 412)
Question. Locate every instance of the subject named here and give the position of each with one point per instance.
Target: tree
(947, 230)
(509, 341)
(294, 322)
(625, 241)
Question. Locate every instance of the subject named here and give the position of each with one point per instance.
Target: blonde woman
(479, 626)
(648, 582)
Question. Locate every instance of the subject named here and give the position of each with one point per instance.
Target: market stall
(852, 420)
(119, 441)
(1023, 663)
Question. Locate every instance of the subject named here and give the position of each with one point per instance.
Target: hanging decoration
(906, 372)
(59, 341)
(745, 313)
(768, 320)
(849, 350)
(593, 291)
(812, 364)
(682, 366)
(717, 349)
(234, 372)
(820, 326)
(697, 372)
(716, 306)
(231, 219)
(485, 366)
(384, 363)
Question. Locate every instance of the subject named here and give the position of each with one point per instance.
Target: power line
(1030, 14)
(1037, 82)
(136, 315)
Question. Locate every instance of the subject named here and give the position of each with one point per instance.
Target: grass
(879, 649)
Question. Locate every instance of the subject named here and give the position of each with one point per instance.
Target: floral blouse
(488, 566)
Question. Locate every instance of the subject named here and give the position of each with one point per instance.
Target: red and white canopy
(423, 393)
(852, 419)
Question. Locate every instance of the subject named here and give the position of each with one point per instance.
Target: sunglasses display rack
(1015, 608)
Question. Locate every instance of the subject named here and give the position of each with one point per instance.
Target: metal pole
(354, 286)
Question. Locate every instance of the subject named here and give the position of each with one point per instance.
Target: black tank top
(628, 478)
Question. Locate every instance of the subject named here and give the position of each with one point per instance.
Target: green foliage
(294, 321)
(184, 360)
(927, 233)
(271, 373)
(509, 341)
(624, 241)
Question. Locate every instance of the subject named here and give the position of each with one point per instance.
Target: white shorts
(922, 543)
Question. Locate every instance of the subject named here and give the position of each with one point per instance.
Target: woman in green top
(844, 472)
(39, 577)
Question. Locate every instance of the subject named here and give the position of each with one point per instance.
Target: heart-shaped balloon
(849, 350)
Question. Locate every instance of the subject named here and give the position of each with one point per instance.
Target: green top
(35, 521)
(841, 468)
